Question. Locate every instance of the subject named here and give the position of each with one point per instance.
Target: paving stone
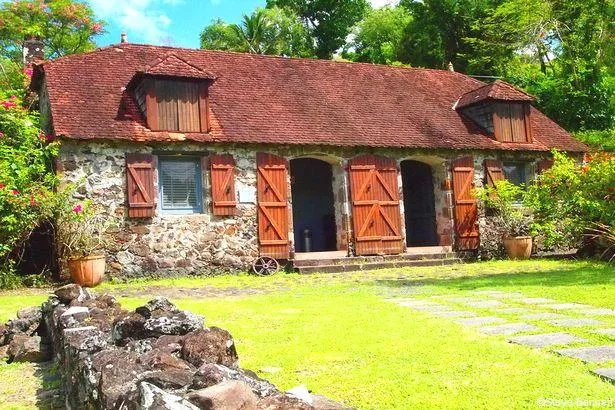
(485, 303)
(480, 321)
(413, 303)
(598, 312)
(544, 316)
(499, 294)
(511, 310)
(546, 339)
(535, 301)
(431, 308)
(454, 313)
(606, 374)
(567, 306)
(576, 322)
(508, 329)
(606, 332)
(592, 354)
(464, 300)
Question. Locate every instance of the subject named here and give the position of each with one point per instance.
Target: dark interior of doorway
(313, 210)
(419, 205)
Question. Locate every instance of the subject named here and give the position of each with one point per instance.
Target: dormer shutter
(140, 185)
(222, 169)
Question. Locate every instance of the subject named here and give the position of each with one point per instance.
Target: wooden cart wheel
(265, 266)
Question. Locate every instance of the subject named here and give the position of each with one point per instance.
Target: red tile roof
(276, 100)
(172, 65)
(498, 90)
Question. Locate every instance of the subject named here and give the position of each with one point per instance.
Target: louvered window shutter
(493, 172)
(140, 185)
(222, 169)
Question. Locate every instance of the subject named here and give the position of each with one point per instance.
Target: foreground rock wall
(156, 357)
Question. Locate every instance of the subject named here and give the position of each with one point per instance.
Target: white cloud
(142, 20)
(381, 3)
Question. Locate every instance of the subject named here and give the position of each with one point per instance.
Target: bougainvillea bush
(572, 199)
(26, 184)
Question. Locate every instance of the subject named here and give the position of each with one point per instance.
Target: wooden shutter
(140, 185)
(222, 168)
(272, 197)
(188, 106)
(493, 172)
(375, 205)
(466, 207)
(511, 122)
(543, 165)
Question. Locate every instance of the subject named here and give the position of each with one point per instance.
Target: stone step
(299, 263)
(353, 266)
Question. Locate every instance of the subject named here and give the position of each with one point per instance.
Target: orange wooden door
(272, 200)
(375, 205)
(466, 206)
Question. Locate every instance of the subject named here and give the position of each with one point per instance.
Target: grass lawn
(341, 336)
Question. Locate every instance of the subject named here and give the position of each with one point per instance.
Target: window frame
(524, 166)
(198, 209)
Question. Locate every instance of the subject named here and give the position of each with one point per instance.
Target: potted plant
(504, 206)
(80, 239)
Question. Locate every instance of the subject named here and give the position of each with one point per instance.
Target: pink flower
(32, 201)
(1, 186)
(8, 104)
(97, 28)
(1, 134)
(28, 71)
(15, 192)
(77, 208)
(42, 136)
(49, 138)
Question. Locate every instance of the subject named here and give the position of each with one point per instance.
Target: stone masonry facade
(203, 243)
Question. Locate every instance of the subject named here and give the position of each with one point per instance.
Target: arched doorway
(313, 205)
(419, 205)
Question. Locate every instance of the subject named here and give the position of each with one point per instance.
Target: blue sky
(169, 22)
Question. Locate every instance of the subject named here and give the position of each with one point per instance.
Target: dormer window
(501, 110)
(173, 95)
(177, 105)
(511, 122)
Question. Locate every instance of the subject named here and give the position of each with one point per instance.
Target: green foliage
(273, 31)
(504, 201)
(26, 185)
(64, 26)
(570, 198)
(378, 37)
(602, 140)
(329, 21)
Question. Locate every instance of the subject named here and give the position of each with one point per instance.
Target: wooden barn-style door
(272, 200)
(375, 205)
(466, 206)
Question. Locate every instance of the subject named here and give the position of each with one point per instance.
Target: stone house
(210, 158)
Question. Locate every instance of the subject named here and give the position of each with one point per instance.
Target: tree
(328, 21)
(448, 30)
(378, 37)
(273, 31)
(64, 26)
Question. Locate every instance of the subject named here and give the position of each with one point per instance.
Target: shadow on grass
(49, 395)
(598, 274)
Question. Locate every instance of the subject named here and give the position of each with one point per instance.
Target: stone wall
(202, 243)
(156, 357)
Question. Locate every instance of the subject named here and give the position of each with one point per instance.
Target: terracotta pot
(518, 247)
(87, 271)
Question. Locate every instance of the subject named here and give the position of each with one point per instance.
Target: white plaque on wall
(247, 195)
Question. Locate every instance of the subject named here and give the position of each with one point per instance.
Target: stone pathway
(529, 321)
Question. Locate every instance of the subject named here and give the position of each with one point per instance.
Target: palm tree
(253, 30)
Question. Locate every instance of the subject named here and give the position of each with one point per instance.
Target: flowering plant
(80, 229)
(504, 201)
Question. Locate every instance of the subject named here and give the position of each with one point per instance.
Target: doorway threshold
(303, 256)
(428, 250)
